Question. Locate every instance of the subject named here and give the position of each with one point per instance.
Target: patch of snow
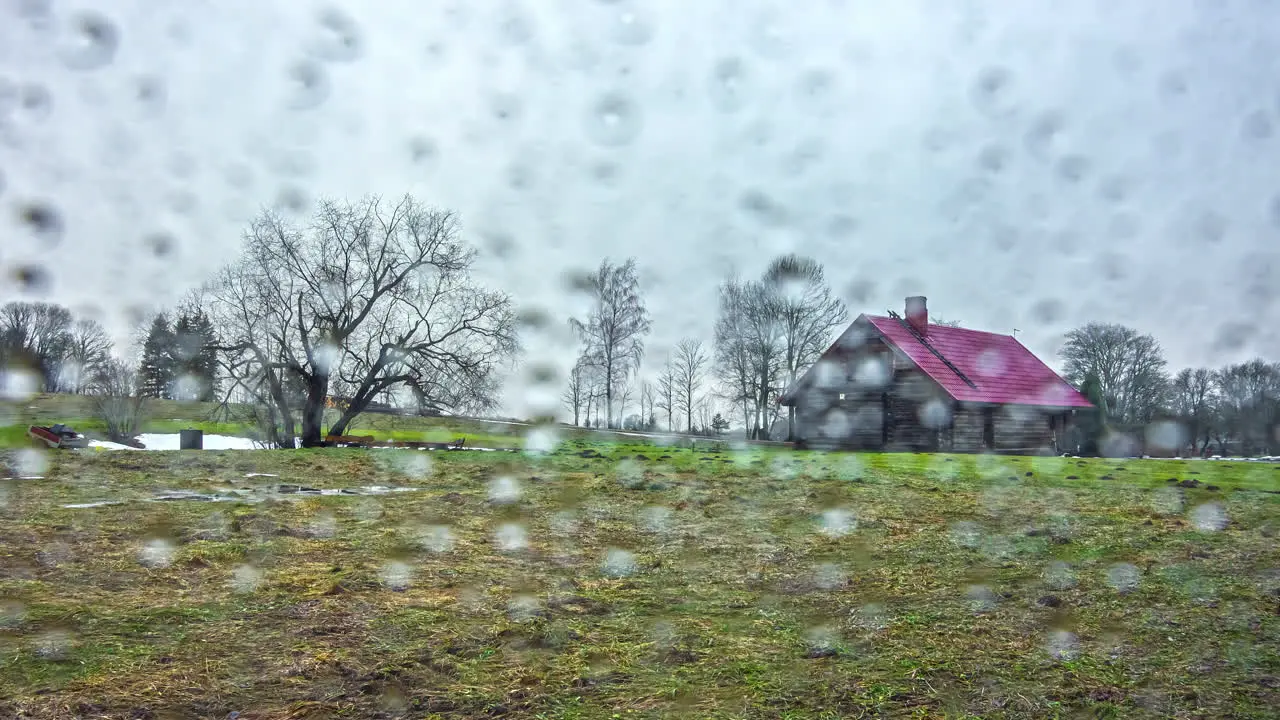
(248, 475)
(100, 503)
(26, 477)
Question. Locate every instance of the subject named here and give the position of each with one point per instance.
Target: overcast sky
(1035, 166)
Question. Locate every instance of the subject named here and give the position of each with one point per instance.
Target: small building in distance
(901, 383)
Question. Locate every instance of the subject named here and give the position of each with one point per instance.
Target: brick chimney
(918, 313)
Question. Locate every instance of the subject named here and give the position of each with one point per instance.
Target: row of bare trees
(61, 352)
(1235, 408)
(768, 331)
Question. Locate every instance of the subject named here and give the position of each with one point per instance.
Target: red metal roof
(1003, 370)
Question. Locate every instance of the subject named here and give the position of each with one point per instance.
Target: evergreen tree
(195, 360)
(1093, 422)
(158, 360)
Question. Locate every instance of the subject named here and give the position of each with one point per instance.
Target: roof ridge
(923, 341)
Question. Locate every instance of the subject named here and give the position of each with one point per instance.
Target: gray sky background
(1033, 165)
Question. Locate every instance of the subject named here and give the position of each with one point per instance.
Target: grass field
(639, 581)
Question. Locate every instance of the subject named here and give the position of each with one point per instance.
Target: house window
(841, 396)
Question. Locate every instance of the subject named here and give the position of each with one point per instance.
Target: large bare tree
(1194, 396)
(615, 328)
(688, 369)
(807, 313)
(87, 358)
(366, 297)
(751, 351)
(1129, 366)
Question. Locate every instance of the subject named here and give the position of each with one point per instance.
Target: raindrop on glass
(1062, 645)
(618, 563)
(614, 120)
(156, 553)
(43, 221)
(504, 490)
(246, 578)
(92, 43)
(436, 538)
(396, 575)
(308, 85)
(511, 537)
(1209, 517)
(1123, 577)
(837, 522)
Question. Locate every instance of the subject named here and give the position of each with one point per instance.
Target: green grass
(655, 582)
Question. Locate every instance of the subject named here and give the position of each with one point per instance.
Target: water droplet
(1210, 227)
(396, 575)
(504, 490)
(991, 89)
(1167, 501)
(1209, 517)
(156, 553)
(339, 39)
(524, 608)
(872, 616)
(614, 120)
(93, 42)
(30, 463)
(511, 537)
(1123, 577)
(436, 538)
(618, 563)
(308, 85)
(43, 221)
(245, 578)
(966, 533)
(981, 598)
(541, 440)
(52, 645)
(1062, 645)
(828, 576)
(1059, 576)
(728, 84)
(656, 519)
(1257, 126)
(1073, 168)
(630, 27)
(837, 522)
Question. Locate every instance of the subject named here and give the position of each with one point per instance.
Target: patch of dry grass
(646, 582)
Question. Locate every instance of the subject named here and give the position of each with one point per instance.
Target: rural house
(901, 383)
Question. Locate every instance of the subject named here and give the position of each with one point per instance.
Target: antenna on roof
(1015, 332)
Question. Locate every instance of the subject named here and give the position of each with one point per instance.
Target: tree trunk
(313, 413)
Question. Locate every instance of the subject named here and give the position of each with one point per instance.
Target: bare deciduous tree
(648, 398)
(807, 311)
(750, 351)
(1194, 398)
(1129, 367)
(614, 330)
(688, 369)
(35, 335)
(1249, 395)
(368, 296)
(667, 392)
(118, 402)
(576, 395)
(86, 358)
